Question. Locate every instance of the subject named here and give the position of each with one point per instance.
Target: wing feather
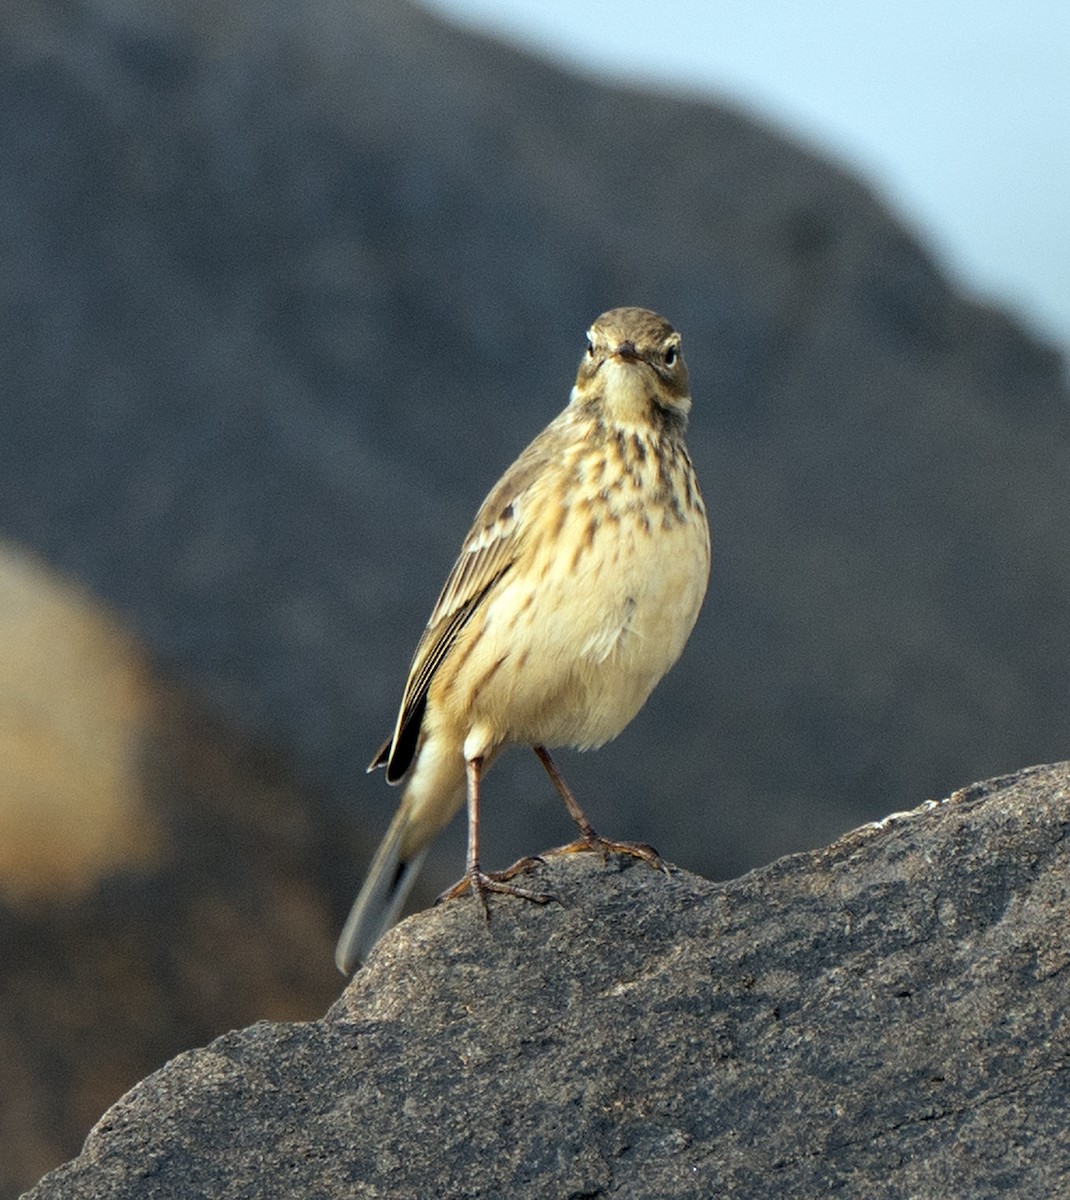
(489, 551)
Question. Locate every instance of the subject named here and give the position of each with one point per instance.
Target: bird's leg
(471, 864)
(482, 882)
(590, 839)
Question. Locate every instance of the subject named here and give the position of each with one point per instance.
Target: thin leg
(565, 792)
(590, 839)
(481, 882)
(471, 864)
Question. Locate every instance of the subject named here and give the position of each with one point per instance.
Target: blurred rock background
(283, 291)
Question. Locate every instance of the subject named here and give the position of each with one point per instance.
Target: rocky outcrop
(161, 878)
(884, 1017)
(284, 288)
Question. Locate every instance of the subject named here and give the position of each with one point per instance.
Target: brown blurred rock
(75, 699)
(161, 881)
(881, 1018)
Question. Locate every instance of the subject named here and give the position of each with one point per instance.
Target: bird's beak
(627, 350)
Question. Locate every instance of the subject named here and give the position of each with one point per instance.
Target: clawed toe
(482, 882)
(493, 883)
(606, 847)
(518, 868)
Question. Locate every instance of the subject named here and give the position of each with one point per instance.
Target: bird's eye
(590, 346)
(672, 352)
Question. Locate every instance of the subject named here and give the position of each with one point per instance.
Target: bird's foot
(606, 847)
(482, 882)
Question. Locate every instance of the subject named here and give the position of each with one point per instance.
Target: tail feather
(434, 791)
(377, 906)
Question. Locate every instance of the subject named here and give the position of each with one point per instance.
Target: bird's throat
(629, 392)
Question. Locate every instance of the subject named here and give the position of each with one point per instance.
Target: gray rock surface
(284, 288)
(881, 1018)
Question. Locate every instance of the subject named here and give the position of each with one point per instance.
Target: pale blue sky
(958, 113)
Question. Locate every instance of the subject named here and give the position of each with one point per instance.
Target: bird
(575, 590)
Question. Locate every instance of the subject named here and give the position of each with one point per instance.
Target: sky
(958, 114)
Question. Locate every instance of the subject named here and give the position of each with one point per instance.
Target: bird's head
(633, 370)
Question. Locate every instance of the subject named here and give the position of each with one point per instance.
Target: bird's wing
(489, 551)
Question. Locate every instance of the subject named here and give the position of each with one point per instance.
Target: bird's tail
(376, 908)
(434, 791)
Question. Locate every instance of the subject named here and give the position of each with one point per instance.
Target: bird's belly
(571, 652)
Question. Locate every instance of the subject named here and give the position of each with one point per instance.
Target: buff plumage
(574, 592)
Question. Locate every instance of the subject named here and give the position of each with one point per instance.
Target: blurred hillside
(286, 289)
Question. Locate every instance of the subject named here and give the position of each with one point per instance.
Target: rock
(76, 698)
(884, 1017)
(162, 878)
(284, 290)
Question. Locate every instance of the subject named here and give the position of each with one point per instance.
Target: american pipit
(574, 592)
